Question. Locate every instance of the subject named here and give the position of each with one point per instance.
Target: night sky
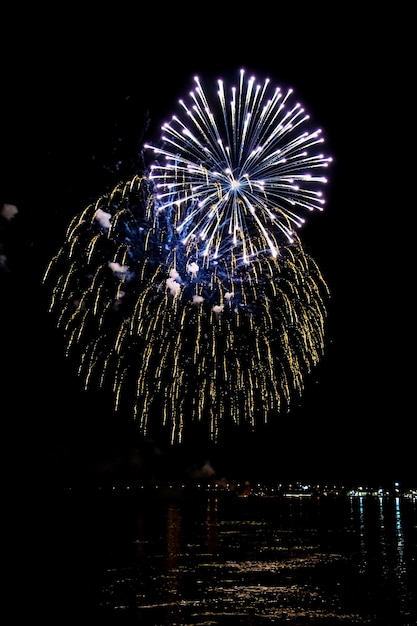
(79, 101)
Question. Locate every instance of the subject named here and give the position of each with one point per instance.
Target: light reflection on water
(228, 561)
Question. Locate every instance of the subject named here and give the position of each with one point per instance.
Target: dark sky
(78, 100)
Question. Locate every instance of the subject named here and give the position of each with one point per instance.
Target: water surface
(206, 559)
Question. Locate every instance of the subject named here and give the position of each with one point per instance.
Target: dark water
(114, 558)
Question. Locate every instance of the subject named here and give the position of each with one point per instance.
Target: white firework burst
(239, 173)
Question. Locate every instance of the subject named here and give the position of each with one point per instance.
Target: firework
(186, 289)
(239, 168)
